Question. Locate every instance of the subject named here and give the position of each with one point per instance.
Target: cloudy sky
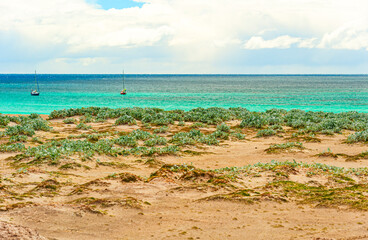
(184, 36)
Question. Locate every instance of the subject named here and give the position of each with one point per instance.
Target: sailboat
(124, 91)
(35, 92)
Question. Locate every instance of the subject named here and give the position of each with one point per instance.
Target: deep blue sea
(335, 93)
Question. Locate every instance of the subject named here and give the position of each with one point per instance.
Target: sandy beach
(244, 186)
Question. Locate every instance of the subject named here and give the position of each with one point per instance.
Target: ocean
(334, 93)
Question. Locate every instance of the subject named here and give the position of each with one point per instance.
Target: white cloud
(352, 36)
(190, 30)
(279, 42)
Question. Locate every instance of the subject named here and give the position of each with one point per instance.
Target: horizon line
(192, 74)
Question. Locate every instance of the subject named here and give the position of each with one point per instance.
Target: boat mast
(36, 81)
(38, 88)
(123, 80)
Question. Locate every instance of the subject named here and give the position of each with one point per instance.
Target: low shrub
(126, 119)
(83, 126)
(69, 121)
(223, 128)
(163, 129)
(358, 137)
(266, 133)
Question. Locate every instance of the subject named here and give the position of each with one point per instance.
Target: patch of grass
(152, 162)
(247, 196)
(18, 138)
(328, 153)
(70, 121)
(112, 164)
(15, 147)
(47, 188)
(196, 125)
(362, 155)
(276, 148)
(351, 196)
(238, 136)
(83, 126)
(70, 166)
(156, 141)
(126, 119)
(16, 205)
(163, 129)
(266, 133)
(223, 128)
(255, 120)
(358, 137)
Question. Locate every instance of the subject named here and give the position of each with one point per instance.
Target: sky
(184, 36)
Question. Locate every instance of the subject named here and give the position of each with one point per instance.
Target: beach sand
(135, 197)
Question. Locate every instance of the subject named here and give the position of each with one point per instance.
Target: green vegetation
(163, 129)
(126, 119)
(83, 126)
(273, 119)
(266, 133)
(16, 147)
(69, 121)
(275, 148)
(358, 137)
(33, 145)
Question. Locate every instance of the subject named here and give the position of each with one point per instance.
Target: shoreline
(191, 109)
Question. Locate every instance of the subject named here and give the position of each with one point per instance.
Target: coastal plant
(36, 140)
(94, 137)
(162, 121)
(239, 136)
(223, 128)
(163, 129)
(83, 126)
(309, 122)
(37, 124)
(126, 119)
(51, 152)
(284, 146)
(168, 150)
(69, 121)
(144, 151)
(276, 127)
(358, 137)
(220, 135)
(212, 115)
(208, 140)
(266, 133)
(87, 118)
(197, 125)
(18, 138)
(147, 125)
(155, 141)
(327, 153)
(183, 138)
(328, 132)
(140, 134)
(126, 141)
(4, 121)
(15, 147)
(255, 120)
(19, 130)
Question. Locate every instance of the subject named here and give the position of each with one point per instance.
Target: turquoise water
(335, 93)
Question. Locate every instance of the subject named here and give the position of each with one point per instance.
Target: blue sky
(118, 4)
(191, 36)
